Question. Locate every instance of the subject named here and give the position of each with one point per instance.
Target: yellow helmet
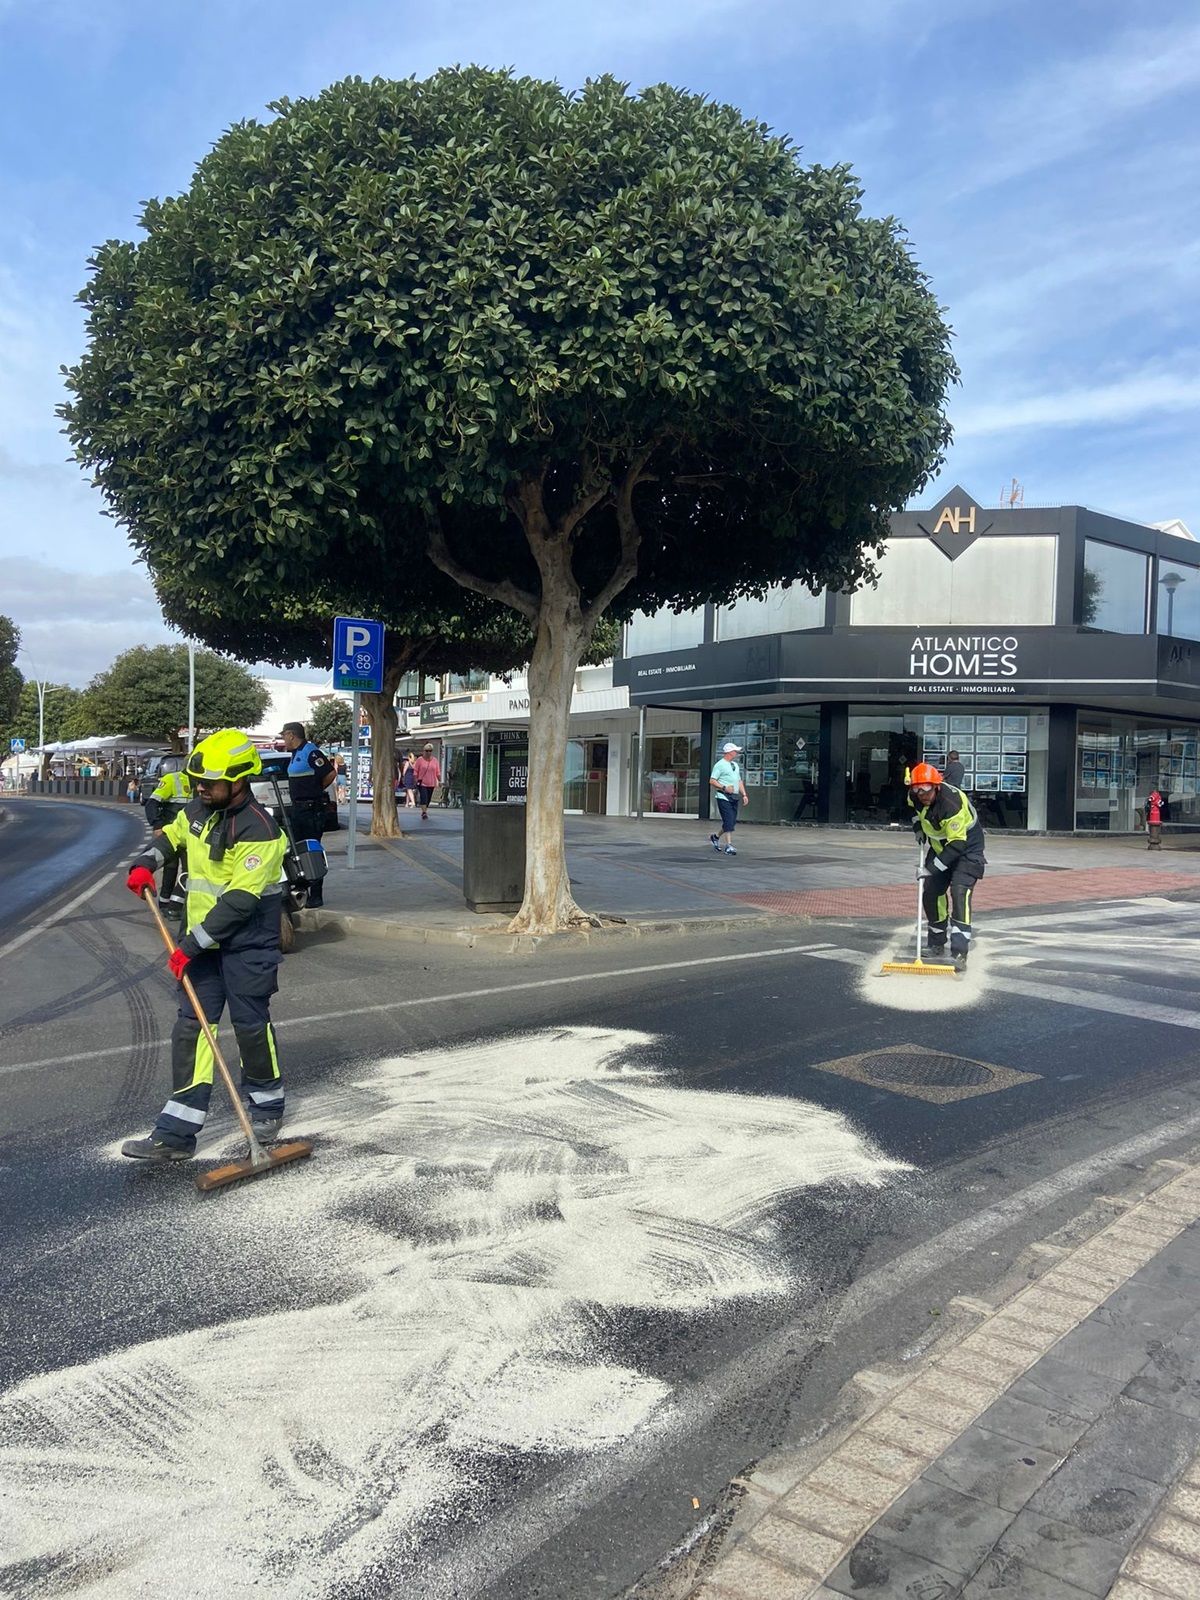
(227, 754)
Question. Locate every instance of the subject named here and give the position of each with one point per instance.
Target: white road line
(443, 999)
(1090, 1000)
(1084, 999)
(57, 916)
(481, 1560)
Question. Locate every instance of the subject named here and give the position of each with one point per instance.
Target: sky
(1043, 158)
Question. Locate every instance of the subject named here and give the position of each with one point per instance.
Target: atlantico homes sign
(971, 656)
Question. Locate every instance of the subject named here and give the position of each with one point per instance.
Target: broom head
(235, 1171)
(918, 968)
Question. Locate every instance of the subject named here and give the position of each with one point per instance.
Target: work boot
(152, 1149)
(960, 960)
(267, 1130)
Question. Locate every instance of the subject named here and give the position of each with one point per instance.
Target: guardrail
(83, 788)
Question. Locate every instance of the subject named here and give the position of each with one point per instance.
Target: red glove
(177, 963)
(140, 880)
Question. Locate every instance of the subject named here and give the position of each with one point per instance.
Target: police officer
(954, 862)
(168, 799)
(310, 773)
(230, 950)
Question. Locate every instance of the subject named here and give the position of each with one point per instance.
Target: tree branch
(631, 537)
(504, 591)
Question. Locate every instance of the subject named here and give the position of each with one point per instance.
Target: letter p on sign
(357, 638)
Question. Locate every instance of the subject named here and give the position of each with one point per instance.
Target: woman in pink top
(429, 775)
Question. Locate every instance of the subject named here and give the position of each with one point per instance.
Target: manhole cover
(931, 1072)
(921, 1074)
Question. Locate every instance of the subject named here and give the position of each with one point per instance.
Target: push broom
(930, 969)
(261, 1160)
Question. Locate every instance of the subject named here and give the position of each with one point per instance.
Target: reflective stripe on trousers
(221, 980)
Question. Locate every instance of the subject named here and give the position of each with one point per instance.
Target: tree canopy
(10, 678)
(61, 716)
(576, 351)
(332, 721)
(145, 692)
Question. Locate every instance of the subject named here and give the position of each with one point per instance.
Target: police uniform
(307, 771)
(233, 860)
(955, 862)
(168, 799)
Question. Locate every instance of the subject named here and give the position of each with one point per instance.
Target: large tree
(578, 351)
(451, 631)
(10, 679)
(61, 715)
(145, 693)
(332, 721)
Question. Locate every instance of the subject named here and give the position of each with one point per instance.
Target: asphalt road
(585, 1233)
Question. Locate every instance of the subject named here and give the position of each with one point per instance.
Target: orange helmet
(923, 773)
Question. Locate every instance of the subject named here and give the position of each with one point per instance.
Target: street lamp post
(1170, 583)
(191, 738)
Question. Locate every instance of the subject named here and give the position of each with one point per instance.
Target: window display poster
(1012, 764)
(987, 743)
(987, 763)
(753, 777)
(965, 744)
(935, 725)
(1102, 761)
(1012, 783)
(1015, 724)
(968, 781)
(961, 724)
(987, 780)
(1013, 744)
(770, 777)
(987, 725)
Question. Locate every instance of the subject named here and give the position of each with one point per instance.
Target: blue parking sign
(357, 655)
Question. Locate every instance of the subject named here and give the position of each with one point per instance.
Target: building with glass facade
(1057, 650)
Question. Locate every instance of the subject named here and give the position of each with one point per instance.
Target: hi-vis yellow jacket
(173, 789)
(233, 861)
(950, 824)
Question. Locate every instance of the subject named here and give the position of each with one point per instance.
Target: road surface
(585, 1233)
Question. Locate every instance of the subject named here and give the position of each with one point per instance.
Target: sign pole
(354, 748)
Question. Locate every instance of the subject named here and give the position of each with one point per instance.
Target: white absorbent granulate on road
(493, 1208)
(922, 992)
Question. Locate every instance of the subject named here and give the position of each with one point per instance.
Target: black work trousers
(243, 980)
(307, 818)
(946, 899)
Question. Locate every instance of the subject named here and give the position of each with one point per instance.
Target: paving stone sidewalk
(663, 873)
(1051, 1454)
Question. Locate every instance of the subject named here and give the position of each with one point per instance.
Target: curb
(500, 940)
(797, 1513)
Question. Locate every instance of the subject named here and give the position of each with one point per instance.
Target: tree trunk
(548, 904)
(381, 716)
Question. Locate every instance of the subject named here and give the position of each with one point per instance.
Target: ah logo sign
(955, 523)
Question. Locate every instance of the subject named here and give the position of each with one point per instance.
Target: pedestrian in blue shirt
(731, 792)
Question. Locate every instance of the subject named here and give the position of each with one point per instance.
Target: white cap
(728, 746)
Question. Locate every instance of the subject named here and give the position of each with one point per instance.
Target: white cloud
(1073, 103)
(1137, 395)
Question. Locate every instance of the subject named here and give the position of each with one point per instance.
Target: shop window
(1003, 753)
(994, 581)
(779, 761)
(665, 630)
(1114, 588)
(1178, 590)
(780, 611)
(671, 774)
